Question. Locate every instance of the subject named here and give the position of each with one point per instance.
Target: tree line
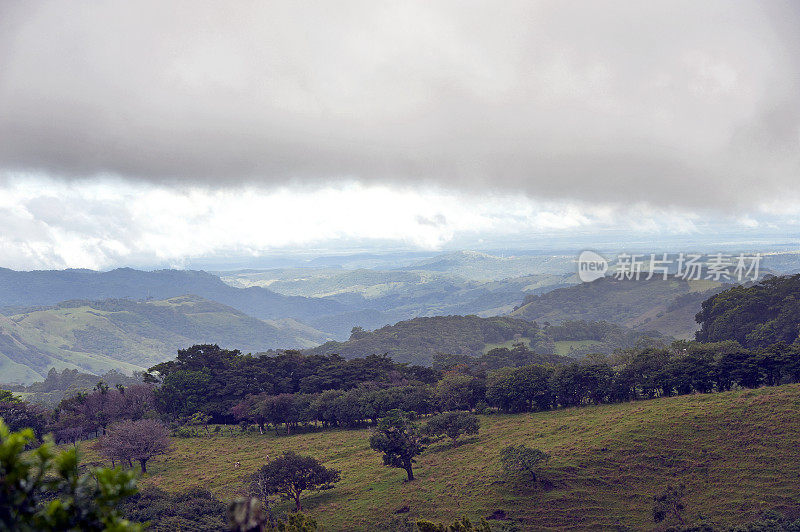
(207, 384)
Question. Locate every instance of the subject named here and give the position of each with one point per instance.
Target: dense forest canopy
(755, 316)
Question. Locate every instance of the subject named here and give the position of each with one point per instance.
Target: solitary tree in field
(452, 425)
(135, 440)
(397, 437)
(523, 458)
(290, 475)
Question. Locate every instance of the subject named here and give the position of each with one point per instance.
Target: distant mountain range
(48, 287)
(453, 283)
(132, 335)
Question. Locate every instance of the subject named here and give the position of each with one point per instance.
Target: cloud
(110, 223)
(676, 104)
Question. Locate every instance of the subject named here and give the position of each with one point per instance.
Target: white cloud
(102, 224)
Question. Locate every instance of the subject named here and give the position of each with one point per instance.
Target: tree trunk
(143, 462)
(410, 472)
(297, 501)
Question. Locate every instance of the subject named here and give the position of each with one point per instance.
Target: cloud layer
(676, 103)
(105, 224)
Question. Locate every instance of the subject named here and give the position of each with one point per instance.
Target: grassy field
(736, 452)
(563, 347)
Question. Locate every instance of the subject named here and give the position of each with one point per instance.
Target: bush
(85, 501)
(196, 509)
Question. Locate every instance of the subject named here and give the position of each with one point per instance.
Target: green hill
(416, 341)
(130, 335)
(736, 453)
(668, 306)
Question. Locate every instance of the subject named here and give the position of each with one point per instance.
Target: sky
(158, 134)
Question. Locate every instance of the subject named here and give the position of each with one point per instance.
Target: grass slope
(736, 452)
(98, 336)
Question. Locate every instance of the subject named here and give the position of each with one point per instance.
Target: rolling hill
(416, 341)
(381, 297)
(668, 306)
(736, 453)
(97, 336)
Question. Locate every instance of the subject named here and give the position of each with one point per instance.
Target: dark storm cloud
(674, 103)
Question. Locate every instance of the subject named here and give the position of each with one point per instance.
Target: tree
(520, 390)
(452, 425)
(20, 415)
(669, 504)
(290, 475)
(523, 458)
(8, 397)
(135, 440)
(85, 501)
(397, 437)
(459, 392)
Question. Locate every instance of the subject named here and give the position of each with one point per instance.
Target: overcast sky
(153, 132)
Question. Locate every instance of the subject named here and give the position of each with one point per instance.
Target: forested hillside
(97, 336)
(417, 341)
(754, 316)
(668, 306)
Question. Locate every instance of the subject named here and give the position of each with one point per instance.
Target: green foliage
(452, 425)
(44, 490)
(398, 438)
(193, 509)
(668, 505)
(523, 458)
(222, 383)
(755, 316)
(456, 391)
(521, 390)
(8, 397)
(290, 475)
(464, 525)
(416, 341)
